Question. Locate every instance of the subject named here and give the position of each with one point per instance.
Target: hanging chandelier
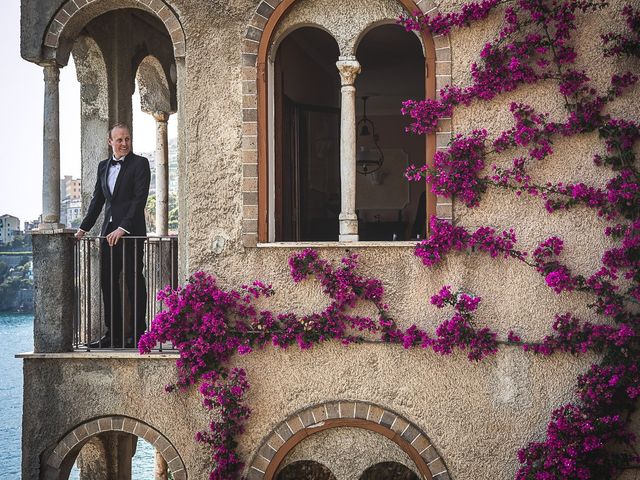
(369, 157)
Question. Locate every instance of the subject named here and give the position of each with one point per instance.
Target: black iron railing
(116, 288)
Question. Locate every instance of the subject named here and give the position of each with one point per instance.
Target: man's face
(120, 141)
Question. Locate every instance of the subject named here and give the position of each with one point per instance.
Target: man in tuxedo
(122, 188)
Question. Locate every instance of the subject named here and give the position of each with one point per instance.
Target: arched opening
(305, 469)
(393, 70)
(387, 470)
(305, 435)
(119, 456)
(156, 139)
(306, 167)
(258, 125)
(71, 159)
(105, 448)
(117, 49)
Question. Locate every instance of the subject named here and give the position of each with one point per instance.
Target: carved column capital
(51, 72)
(349, 68)
(161, 116)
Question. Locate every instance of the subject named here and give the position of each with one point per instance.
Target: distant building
(9, 228)
(32, 225)
(70, 200)
(69, 187)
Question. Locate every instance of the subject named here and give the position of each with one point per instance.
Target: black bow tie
(113, 162)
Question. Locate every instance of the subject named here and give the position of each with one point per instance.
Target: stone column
(161, 471)
(107, 456)
(162, 173)
(51, 149)
(349, 68)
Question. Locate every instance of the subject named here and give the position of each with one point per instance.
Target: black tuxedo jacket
(125, 207)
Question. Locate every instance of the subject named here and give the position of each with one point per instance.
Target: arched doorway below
(310, 434)
(388, 470)
(305, 469)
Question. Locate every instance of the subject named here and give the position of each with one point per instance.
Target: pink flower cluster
(576, 447)
(627, 44)
(224, 392)
(446, 237)
(442, 24)
(575, 336)
(457, 332)
(533, 45)
(531, 130)
(456, 170)
(582, 438)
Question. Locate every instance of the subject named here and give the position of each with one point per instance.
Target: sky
(22, 94)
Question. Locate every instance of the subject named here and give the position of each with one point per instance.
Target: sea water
(16, 336)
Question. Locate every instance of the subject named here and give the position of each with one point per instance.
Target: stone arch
(278, 41)
(58, 461)
(74, 14)
(373, 26)
(153, 84)
(355, 414)
(256, 46)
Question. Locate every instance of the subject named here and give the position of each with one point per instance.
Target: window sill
(342, 245)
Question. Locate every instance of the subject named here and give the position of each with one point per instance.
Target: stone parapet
(53, 277)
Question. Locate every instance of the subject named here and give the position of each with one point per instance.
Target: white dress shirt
(114, 171)
(112, 177)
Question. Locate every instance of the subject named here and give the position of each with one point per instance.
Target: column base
(47, 226)
(349, 237)
(348, 227)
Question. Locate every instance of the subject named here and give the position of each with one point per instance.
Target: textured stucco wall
(476, 415)
(60, 394)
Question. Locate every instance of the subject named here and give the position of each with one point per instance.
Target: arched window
(393, 70)
(306, 167)
(310, 187)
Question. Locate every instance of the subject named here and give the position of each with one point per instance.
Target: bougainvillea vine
(585, 439)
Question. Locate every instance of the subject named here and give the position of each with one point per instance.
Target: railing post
(53, 276)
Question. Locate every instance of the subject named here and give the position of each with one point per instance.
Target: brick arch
(255, 48)
(73, 10)
(354, 414)
(67, 449)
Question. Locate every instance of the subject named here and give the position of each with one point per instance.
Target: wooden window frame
(263, 114)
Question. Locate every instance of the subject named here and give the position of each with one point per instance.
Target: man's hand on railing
(80, 234)
(114, 236)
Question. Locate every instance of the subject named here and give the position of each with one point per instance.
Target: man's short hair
(119, 125)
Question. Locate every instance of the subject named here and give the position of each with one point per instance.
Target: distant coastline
(16, 281)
